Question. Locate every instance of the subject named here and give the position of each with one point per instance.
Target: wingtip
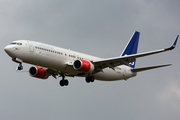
(174, 44)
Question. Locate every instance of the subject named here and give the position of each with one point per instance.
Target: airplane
(54, 61)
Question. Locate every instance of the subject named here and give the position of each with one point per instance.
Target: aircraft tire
(66, 82)
(91, 79)
(20, 67)
(88, 80)
(61, 83)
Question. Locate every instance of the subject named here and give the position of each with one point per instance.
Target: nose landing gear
(20, 67)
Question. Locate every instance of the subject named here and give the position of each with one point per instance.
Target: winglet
(174, 44)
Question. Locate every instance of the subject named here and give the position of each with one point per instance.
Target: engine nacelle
(83, 66)
(38, 72)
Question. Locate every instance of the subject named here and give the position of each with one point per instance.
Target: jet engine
(38, 72)
(83, 66)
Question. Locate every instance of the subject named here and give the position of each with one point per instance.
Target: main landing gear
(63, 82)
(90, 79)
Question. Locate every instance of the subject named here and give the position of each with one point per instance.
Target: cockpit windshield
(14, 43)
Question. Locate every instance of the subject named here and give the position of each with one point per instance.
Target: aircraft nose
(9, 50)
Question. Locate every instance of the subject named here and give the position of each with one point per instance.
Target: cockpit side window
(16, 43)
(19, 43)
(13, 43)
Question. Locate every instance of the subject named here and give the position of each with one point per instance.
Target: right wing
(129, 59)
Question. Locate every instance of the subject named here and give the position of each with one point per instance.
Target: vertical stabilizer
(132, 47)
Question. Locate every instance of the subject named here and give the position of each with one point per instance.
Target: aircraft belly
(108, 75)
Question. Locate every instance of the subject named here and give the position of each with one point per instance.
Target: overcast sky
(100, 28)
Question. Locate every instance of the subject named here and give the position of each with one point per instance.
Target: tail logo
(131, 63)
(131, 48)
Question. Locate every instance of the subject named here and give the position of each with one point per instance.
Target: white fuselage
(58, 59)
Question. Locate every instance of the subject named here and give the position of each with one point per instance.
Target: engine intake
(38, 72)
(83, 66)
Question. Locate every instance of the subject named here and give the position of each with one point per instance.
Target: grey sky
(100, 28)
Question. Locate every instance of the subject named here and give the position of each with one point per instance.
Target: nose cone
(9, 50)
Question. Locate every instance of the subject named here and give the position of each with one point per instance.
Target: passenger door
(31, 47)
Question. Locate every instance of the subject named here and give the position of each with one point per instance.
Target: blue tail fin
(132, 46)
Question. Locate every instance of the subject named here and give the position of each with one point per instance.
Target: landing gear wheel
(61, 83)
(20, 67)
(90, 79)
(64, 83)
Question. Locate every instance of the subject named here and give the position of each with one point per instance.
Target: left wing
(129, 59)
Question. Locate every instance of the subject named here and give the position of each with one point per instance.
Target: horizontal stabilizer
(148, 68)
